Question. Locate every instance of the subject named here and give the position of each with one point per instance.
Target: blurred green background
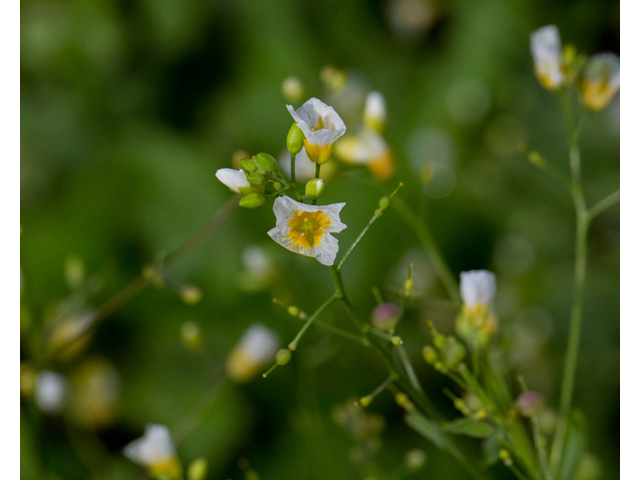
(129, 107)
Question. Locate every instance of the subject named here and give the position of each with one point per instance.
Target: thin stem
(294, 344)
(341, 333)
(315, 200)
(379, 333)
(603, 204)
(429, 244)
(542, 454)
(381, 387)
(357, 240)
(404, 358)
(293, 167)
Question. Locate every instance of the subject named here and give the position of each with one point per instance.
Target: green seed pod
(429, 354)
(453, 352)
(256, 179)
(295, 139)
(248, 165)
(198, 469)
(253, 200)
(266, 161)
(283, 356)
(383, 203)
(315, 188)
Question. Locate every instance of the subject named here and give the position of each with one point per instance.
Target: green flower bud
(315, 188)
(537, 159)
(266, 161)
(257, 179)
(439, 341)
(295, 139)
(248, 165)
(384, 202)
(429, 354)
(190, 294)
(251, 189)
(198, 469)
(408, 285)
(453, 352)
(365, 401)
(283, 356)
(253, 200)
(293, 310)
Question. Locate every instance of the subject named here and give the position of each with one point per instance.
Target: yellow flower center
(306, 229)
(596, 94)
(170, 468)
(320, 125)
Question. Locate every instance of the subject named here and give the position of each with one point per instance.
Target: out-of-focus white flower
(412, 19)
(546, 49)
(156, 452)
(292, 89)
(477, 288)
(260, 271)
(50, 391)
(375, 112)
(255, 349)
(600, 80)
(234, 179)
(368, 148)
(306, 229)
(305, 168)
(321, 126)
(70, 336)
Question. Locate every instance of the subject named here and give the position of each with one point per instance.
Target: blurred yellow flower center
(170, 468)
(320, 125)
(306, 229)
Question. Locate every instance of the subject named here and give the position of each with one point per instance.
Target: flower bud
(293, 310)
(248, 165)
(190, 294)
(253, 200)
(537, 159)
(396, 340)
(283, 356)
(529, 403)
(453, 352)
(385, 316)
(256, 179)
(315, 188)
(384, 202)
(365, 401)
(266, 161)
(198, 469)
(191, 336)
(429, 354)
(408, 285)
(403, 400)
(295, 139)
(439, 341)
(415, 459)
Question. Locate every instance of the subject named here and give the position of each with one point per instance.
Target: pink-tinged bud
(385, 316)
(529, 403)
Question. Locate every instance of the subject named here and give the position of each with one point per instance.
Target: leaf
(491, 449)
(469, 427)
(427, 428)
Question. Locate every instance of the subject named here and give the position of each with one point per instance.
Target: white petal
(327, 250)
(307, 118)
(375, 106)
(50, 391)
(259, 343)
(234, 179)
(155, 446)
(546, 45)
(477, 286)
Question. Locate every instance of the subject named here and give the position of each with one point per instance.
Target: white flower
(50, 391)
(375, 112)
(601, 80)
(306, 229)
(321, 126)
(368, 148)
(477, 288)
(546, 48)
(255, 349)
(155, 451)
(292, 89)
(234, 179)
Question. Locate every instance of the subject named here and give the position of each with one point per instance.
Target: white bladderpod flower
(600, 80)
(477, 288)
(375, 112)
(236, 180)
(255, 349)
(50, 391)
(306, 229)
(546, 49)
(321, 126)
(368, 148)
(155, 451)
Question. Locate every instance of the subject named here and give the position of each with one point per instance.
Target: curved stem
(603, 204)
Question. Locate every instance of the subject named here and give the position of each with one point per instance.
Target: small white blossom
(306, 229)
(292, 89)
(321, 126)
(255, 349)
(375, 111)
(155, 451)
(234, 179)
(50, 391)
(368, 148)
(601, 80)
(477, 288)
(546, 48)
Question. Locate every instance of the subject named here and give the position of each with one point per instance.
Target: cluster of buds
(252, 179)
(446, 353)
(598, 77)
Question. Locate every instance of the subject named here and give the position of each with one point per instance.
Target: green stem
(293, 167)
(294, 344)
(315, 200)
(404, 358)
(603, 204)
(357, 240)
(429, 244)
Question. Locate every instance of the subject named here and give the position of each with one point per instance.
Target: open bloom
(50, 391)
(155, 451)
(600, 80)
(368, 148)
(306, 229)
(321, 126)
(546, 48)
(255, 349)
(375, 112)
(477, 288)
(234, 179)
